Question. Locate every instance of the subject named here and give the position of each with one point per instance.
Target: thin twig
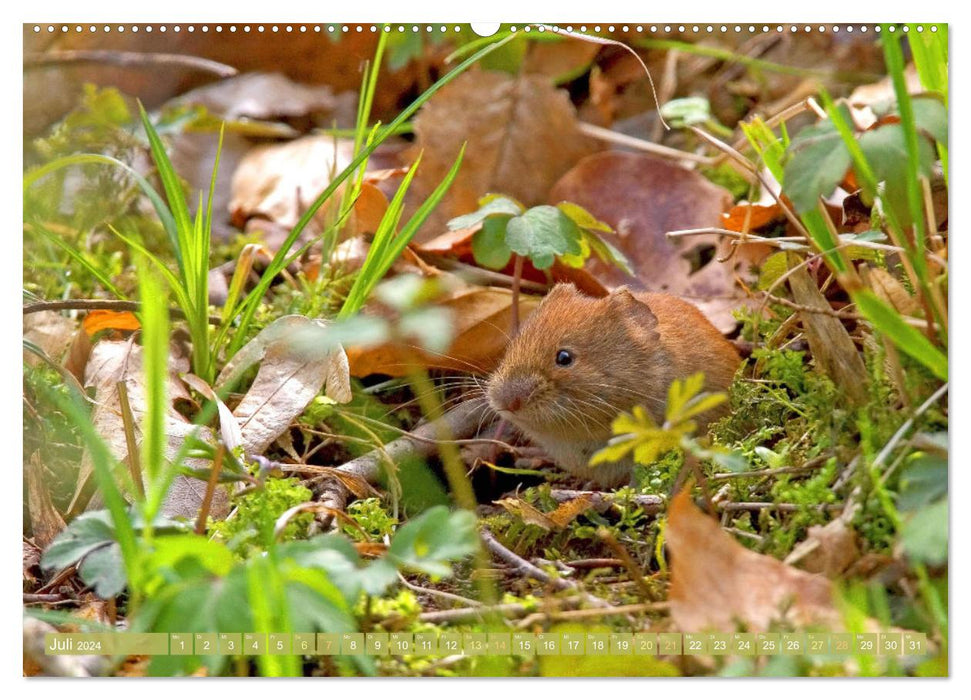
(907, 425)
(661, 606)
(128, 59)
(217, 466)
(474, 613)
(101, 304)
(525, 568)
(599, 132)
(445, 595)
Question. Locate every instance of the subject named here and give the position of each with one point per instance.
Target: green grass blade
(155, 346)
(81, 260)
(276, 265)
(104, 464)
(895, 65)
(171, 184)
(164, 215)
(370, 272)
(910, 340)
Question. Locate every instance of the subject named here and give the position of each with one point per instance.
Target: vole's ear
(635, 313)
(563, 291)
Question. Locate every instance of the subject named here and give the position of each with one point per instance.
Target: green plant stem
(458, 481)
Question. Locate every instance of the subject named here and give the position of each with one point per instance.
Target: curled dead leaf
(717, 584)
(828, 549)
(557, 520)
(296, 362)
(45, 521)
(113, 362)
(51, 332)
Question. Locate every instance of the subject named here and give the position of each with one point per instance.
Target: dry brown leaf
(279, 182)
(642, 198)
(558, 519)
(891, 291)
(521, 132)
(51, 332)
(717, 584)
(45, 521)
(295, 364)
(101, 320)
(264, 96)
(482, 318)
(112, 362)
(559, 60)
(31, 564)
(828, 549)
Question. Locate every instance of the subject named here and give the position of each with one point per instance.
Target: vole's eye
(564, 358)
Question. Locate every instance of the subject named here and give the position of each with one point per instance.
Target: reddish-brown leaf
(717, 584)
(521, 133)
(642, 198)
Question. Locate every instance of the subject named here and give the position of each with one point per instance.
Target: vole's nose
(512, 394)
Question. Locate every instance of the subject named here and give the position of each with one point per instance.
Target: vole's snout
(512, 394)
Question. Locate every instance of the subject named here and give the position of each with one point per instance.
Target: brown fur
(627, 350)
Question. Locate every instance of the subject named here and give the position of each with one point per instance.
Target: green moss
(250, 529)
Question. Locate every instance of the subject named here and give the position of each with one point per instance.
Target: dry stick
(217, 466)
(903, 429)
(103, 305)
(129, 59)
(525, 568)
(477, 274)
(474, 613)
(661, 606)
(598, 132)
(601, 500)
(128, 421)
(461, 421)
(601, 563)
(445, 595)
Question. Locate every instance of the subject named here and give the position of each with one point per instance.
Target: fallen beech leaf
(642, 198)
(51, 332)
(891, 291)
(828, 549)
(112, 362)
(522, 131)
(558, 519)
(295, 364)
(279, 182)
(559, 60)
(45, 521)
(264, 96)
(717, 584)
(101, 320)
(482, 318)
